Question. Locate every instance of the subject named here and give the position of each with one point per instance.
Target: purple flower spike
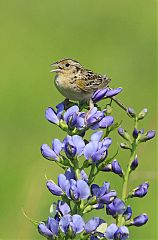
(140, 191)
(113, 92)
(140, 220)
(51, 116)
(99, 94)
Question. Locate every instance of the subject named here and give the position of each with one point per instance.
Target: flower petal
(99, 94)
(53, 225)
(64, 223)
(70, 112)
(90, 149)
(79, 144)
(43, 230)
(110, 231)
(106, 122)
(63, 183)
(60, 109)
(113, 92)
(51, 115)
(78, 223)
(97, 136)
(53, 188)
(92, 224)
(57, 146)
(48, 153)
(83, 189)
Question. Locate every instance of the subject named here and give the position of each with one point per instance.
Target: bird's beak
(57, 68)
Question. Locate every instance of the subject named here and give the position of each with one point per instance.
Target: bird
(75, 82)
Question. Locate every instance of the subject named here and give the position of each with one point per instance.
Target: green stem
(120, 221)
(91, 175)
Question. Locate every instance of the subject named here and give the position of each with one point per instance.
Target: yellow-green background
(108, 36)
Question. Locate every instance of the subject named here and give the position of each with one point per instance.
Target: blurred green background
(113, 37)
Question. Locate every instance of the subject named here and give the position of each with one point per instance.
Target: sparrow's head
(66, 65)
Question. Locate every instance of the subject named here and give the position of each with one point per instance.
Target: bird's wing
(89, 81)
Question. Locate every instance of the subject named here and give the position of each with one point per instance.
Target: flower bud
(140, 191)
(125, 146)
(149, 135)
(87, 209)
(142, 114)
(114, 167)
(128, 213)
(134, 164)
(135, 133)
(124, 134)
(140, 220)
(131, 112)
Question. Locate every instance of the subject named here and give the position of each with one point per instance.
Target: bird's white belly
(70, 90)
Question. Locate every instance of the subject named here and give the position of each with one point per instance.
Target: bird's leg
(91, 104)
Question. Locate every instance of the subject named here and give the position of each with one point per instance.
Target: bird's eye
(67, 65)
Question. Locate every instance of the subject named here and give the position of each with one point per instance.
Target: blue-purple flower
(105, 92)
(116, 207)
(96, 119)
(140, 191)
(73, 146)
(54, 152)
(74, 189)
(49, 229)
(114, 232)
(74, 224)
(103, 194)
(114, 167)
(134, 163)
(96, 149)
(140, 220)
(54, 116)
(149, 135)
(62, 208)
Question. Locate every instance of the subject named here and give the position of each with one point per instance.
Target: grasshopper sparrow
(75, 82)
